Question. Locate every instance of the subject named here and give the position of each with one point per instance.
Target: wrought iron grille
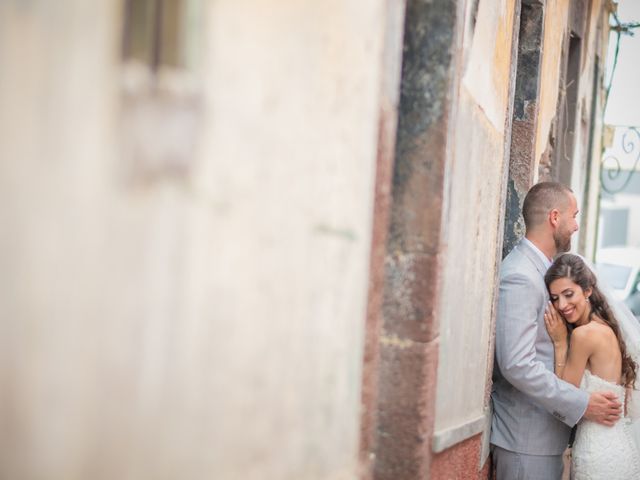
(613, 177)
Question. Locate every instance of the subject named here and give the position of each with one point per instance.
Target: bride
(594, 356)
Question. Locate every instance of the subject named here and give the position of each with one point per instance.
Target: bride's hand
(555, 324)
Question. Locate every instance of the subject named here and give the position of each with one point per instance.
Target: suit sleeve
(519, 306)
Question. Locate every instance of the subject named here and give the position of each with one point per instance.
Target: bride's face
(570, 300)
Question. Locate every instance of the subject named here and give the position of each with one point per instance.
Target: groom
(533, 410)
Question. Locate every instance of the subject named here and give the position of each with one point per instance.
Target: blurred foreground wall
(186, 236)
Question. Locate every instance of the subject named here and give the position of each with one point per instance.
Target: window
(614, 227)
(160, 52)
(616, 276)
(161, 32)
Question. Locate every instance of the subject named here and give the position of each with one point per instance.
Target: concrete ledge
(447, 438)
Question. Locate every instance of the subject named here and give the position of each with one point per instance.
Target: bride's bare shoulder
(594, 333)
(590, 333)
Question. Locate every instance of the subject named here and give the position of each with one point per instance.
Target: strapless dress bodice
(600, 452)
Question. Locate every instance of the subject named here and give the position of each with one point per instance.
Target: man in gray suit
(533, 410)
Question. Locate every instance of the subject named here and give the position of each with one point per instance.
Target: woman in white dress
(591, 354)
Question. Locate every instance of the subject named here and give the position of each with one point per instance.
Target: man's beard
(563, 244)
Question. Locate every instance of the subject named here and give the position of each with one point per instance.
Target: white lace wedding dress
(604, 453)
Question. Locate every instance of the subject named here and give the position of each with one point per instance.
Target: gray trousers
(520, 466)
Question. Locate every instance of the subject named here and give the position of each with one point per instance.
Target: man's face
(567, 225)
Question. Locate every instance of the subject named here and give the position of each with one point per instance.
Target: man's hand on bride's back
(603, 408)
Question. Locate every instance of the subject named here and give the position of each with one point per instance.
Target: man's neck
(546, 245)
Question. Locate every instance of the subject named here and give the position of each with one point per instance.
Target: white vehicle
(619, 268)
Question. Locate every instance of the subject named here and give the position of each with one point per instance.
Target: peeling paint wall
(201, 323)
(473, 238)
(522, 160)
(560, 18)
(555, 19)
(545, 64)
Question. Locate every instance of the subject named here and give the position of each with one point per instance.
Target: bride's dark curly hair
(574, 268)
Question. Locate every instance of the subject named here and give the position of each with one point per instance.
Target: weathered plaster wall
(473, 228)
(465, 320)
(555, 29)
(522, 160)
(559, 16)
(491, 39)
(204, 324)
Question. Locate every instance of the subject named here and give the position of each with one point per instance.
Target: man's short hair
(541, 199)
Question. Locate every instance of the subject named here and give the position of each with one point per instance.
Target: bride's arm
(570, 361)
(580, 349)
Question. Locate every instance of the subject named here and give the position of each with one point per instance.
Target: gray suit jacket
(533, 410)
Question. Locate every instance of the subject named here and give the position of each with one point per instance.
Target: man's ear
(554, 217)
